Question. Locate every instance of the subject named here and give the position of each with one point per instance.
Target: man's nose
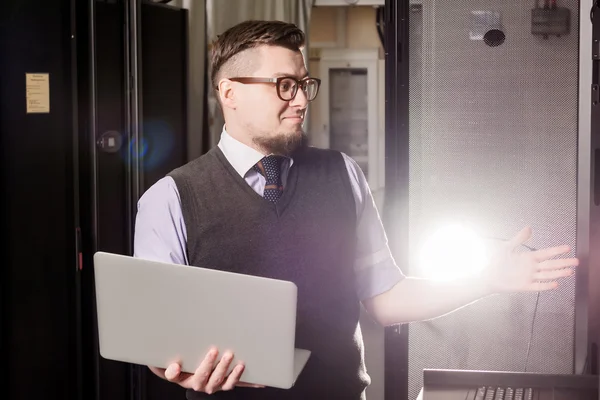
(300, 100)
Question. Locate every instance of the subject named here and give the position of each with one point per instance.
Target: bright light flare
(452, 252)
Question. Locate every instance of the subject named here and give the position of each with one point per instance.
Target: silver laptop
(154, 313)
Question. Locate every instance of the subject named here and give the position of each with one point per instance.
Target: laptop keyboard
(501, 393)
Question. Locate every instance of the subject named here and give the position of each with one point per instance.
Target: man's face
(274, 125)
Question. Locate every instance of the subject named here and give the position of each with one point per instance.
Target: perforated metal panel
(493, 143)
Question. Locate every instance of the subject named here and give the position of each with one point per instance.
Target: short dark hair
(251, 34)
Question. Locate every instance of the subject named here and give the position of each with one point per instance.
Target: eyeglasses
(287, 87)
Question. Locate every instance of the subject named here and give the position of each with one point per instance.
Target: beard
(283, 143)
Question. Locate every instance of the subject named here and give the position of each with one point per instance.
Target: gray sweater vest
(307, 237)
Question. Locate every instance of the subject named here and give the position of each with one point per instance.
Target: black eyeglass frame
(302, 83)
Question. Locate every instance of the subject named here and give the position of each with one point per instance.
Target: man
(264, 203)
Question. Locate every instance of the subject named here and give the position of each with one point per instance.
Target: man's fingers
(558, 264)
(244, 384)
(520, 237)
(208, 379)
(551, 275)
(218, 375)
(252, 385)
(550, 252)
(172, 372)
(202, 374)
(234, 377)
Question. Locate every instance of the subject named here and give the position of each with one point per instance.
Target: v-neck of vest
(288, 191)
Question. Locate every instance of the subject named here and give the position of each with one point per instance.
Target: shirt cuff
(377, 279)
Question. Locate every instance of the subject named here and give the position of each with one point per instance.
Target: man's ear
(227, 93)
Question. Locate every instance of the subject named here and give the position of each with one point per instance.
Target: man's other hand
(208, 378)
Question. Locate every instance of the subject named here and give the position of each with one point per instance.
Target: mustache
(295, 115)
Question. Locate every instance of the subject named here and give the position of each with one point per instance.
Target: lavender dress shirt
(160, 232)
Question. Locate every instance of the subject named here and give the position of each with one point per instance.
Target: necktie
(270, 168)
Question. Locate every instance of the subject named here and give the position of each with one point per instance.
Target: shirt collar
(241, 157)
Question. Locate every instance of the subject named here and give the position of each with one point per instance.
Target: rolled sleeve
(376, 270)
(377, 278)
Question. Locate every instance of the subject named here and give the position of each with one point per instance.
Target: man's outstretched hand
(207, 378)
(514, 270)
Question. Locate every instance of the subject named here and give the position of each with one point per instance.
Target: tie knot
(270, 168)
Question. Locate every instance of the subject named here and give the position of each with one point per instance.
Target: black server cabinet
(65, 194)
(479, 131)
(39, 269)
(136, 115)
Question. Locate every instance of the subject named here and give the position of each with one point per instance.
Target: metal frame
(78, 256)
(133, 118)
(93, 161)
(588, 330)
(133, 48)
(395, 212)
(585, 208)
